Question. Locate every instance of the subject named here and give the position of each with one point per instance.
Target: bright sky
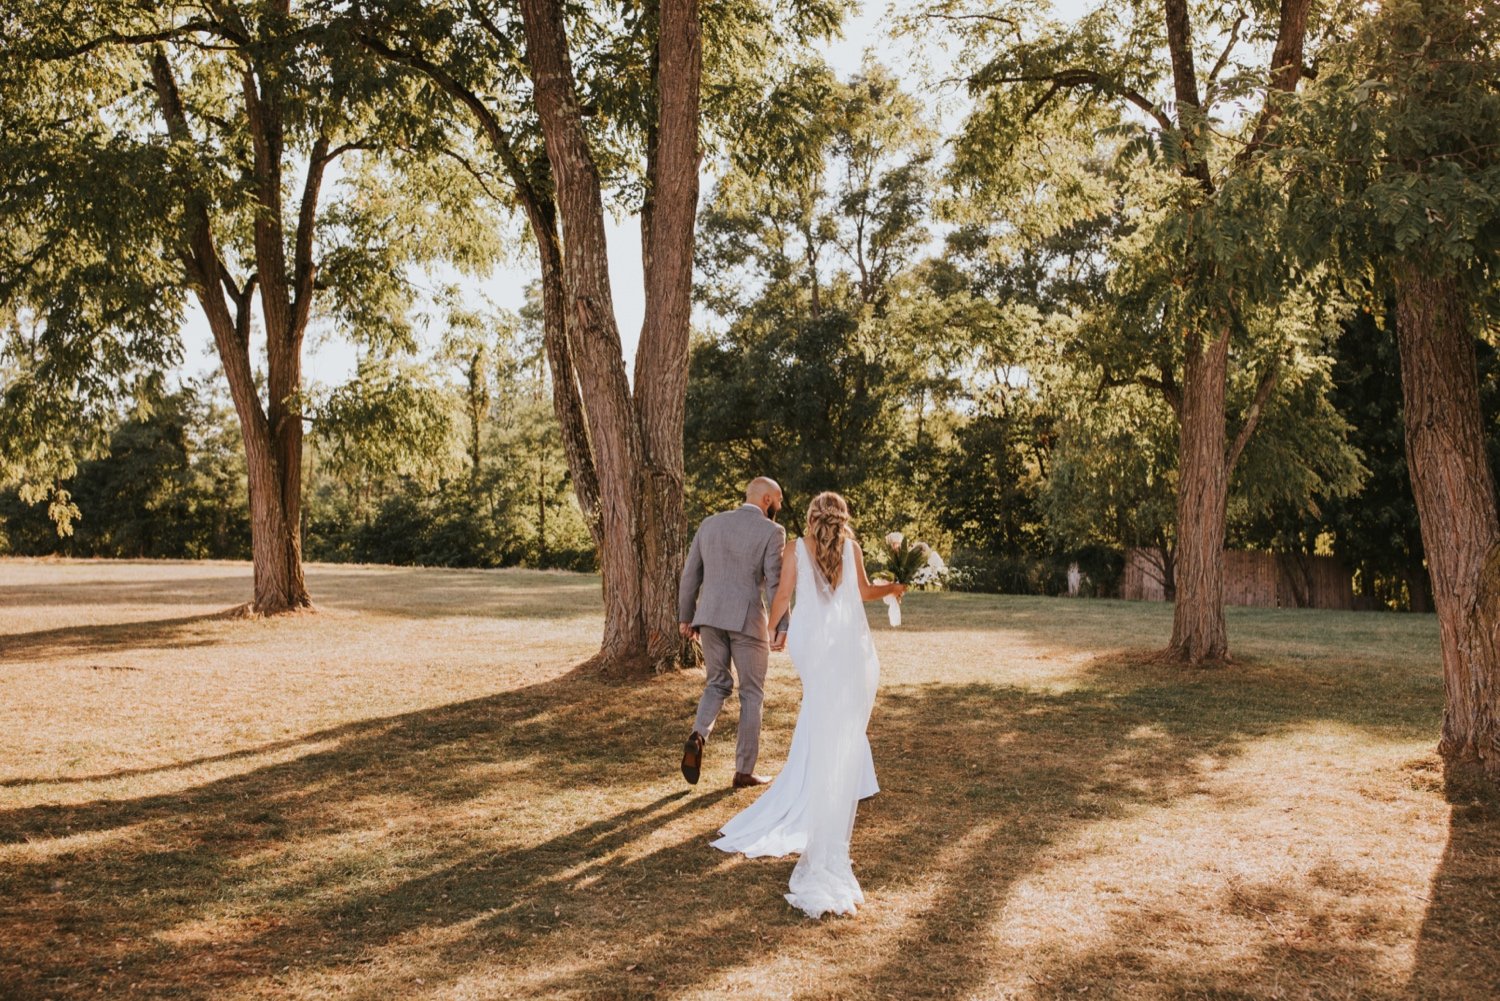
(331, 360)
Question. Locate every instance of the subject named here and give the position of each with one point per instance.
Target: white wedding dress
(810, 806)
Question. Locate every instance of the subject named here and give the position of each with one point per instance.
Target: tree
(448, 460)
(1113, 480)
(1374, 531)
(575, 103)
(636, 437)
(1199, 278)
(167, 149)
(392, 421)
(808, 242)
(1397, 151)
(169, 484)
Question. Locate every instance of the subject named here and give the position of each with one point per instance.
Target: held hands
(779, 643)
(687, 630)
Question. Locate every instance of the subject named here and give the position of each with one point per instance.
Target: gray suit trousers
(750, 655)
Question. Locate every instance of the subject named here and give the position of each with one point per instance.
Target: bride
(809, 808)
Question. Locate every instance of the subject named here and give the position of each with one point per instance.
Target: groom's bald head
(762, 489)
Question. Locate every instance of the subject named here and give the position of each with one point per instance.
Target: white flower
(894, 540)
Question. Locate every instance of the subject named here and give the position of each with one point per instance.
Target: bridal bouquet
(915, 564)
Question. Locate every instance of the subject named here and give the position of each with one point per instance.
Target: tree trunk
(668, 220)
(275, 542)
(1198, 631)
(275, 532)
(593, 336)
(284, 304)
(1455, 494)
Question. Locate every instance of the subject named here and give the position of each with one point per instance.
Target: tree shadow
(408, 592)
(1021, 771)
(82, 641)
(1458, 955)
(446, 593)
(346, 866)
(218, 589)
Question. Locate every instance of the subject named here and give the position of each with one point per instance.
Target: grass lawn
(407, 795)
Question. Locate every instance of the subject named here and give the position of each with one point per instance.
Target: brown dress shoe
(692, 758)
(744, 780)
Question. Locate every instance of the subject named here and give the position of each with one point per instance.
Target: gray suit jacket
(733, 568)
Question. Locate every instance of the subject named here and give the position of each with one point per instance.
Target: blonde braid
(827, 528)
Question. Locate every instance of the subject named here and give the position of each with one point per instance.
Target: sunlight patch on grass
(41, 850)
(1276, 856)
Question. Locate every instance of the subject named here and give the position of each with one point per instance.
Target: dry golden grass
(408, 795)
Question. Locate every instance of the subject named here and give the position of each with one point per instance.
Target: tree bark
(593, 335)
(1198, 631)
(285, 301)
(1199, 634)
(668, 221)
(1455, 494)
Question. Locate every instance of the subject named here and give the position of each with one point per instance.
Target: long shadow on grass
(405, 591)
(159, 866)
(443, 593)
(979, 781)
(585, 871)
(86, 590)
(1457, 954)
(81, 641)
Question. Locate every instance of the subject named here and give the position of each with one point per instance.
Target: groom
(733, 568)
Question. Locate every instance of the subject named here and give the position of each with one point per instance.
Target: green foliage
(1374, 530)
(453, 461)
(171, 484)
(1395, 148)
(1113, 480)
(805, 404)
(805, 264)
(385, 470)
(392, 420)
(103, 189)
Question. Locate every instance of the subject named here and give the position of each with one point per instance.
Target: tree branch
(507, 43)
(303, 267)
(480, 177)
(1223, 60)
(1268, 380)
(1185, 88)
(205, 265)
(1286, 69)
(499, 137)
(195, 26)
(1079, 77)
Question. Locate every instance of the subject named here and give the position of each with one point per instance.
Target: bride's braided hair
(827, 528)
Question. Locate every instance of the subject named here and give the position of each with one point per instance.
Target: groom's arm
(692, 580)
(772, 569)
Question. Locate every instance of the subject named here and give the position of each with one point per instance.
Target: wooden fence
(1270, 580)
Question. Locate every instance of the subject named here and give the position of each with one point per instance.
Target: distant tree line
(452, 460)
